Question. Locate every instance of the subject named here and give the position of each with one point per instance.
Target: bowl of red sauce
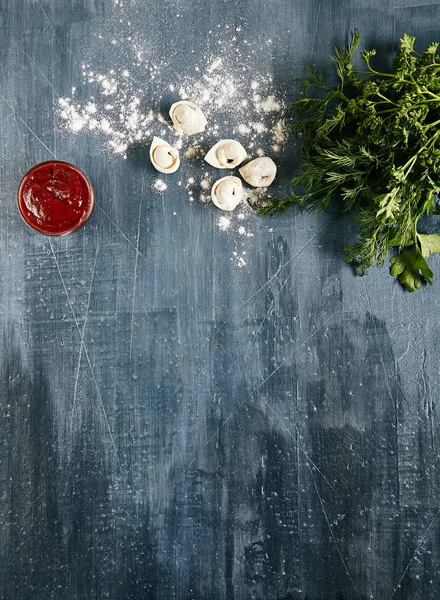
(55, 198)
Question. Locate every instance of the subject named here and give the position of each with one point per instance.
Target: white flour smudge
(159, 185)
(224, 223)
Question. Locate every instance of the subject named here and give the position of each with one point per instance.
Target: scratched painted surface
(172, 426)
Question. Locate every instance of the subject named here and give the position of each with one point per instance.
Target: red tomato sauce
(55, 198)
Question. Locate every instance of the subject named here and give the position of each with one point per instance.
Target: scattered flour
(123, 122)
(239, 259)
(279, 136)
(270, 104)
(259, 127)
(223, 223)
(200, 188)
(255, 196)
(195, 151)
(117, 106)
(240, 223)
(159, 185)
(243, 231)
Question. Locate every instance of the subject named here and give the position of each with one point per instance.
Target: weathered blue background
(172, 426)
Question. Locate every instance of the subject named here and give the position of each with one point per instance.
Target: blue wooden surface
(172, 426)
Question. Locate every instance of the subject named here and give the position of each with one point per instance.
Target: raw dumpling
(226, 154)
(226, 192)
(187, 117)
(164, 157)
(259, 172)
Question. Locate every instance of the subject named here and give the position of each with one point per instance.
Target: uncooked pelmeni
(226, 154)
(187, 117)
(226, 193)
(164, 157)
(259, 172)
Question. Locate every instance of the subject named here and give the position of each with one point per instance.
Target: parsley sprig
(373, 140)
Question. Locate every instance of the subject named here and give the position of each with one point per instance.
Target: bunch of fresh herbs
(373, 141)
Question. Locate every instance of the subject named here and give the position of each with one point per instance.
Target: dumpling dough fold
(226, 193)
(187, 117)
(163, 156)
(259, 172)
(226, 154)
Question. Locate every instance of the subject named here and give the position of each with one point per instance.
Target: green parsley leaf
(429, 244)
(412, 268)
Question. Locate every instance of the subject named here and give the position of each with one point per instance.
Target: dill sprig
(373, 140)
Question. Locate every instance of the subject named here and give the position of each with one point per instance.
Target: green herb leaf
(411, 268)
(429, 244)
